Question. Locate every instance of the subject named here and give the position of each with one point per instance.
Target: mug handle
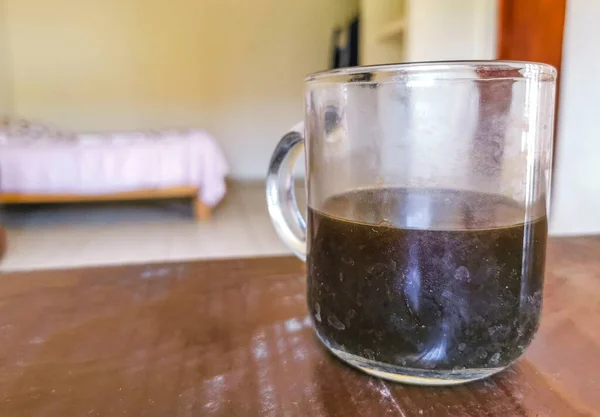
(281, 200)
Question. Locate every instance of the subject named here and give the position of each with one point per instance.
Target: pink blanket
(94, 164)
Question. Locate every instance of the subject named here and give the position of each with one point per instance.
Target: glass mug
(427, 188)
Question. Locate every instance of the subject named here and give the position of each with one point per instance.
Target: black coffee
(421, 278)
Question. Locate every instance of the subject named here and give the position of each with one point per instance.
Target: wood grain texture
(201, 211)
(232, 338)
(174, 192)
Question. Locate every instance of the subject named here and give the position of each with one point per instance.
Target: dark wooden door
(532, 30)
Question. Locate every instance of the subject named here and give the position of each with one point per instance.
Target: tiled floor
(48, 236)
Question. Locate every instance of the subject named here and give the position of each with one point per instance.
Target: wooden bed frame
(201, 210)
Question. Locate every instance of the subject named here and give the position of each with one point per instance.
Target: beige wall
(433, 30)
(5, 67)
(576, 190)
(375, 16)
(451, 30)
(234, 67)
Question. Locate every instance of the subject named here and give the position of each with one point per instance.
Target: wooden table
(232, 338)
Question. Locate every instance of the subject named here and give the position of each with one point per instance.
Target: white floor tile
(65, 236)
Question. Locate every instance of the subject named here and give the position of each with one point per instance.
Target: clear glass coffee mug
(428, 186)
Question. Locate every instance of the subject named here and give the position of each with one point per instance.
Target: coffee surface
(425, 278)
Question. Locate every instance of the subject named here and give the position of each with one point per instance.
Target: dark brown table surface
(232, 338)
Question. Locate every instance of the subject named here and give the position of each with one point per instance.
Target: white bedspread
(94, 164)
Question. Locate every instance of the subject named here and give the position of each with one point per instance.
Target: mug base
(412, 376)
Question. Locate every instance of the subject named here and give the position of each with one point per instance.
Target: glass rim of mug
(437, 70)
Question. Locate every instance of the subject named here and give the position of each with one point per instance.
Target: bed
(39, 164)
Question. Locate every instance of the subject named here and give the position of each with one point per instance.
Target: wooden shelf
(392, 30)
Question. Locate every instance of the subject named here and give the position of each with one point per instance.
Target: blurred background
(101, 99)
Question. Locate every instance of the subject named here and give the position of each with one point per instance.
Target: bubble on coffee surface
(335, 323)
(318, 312)
(462, 274)
(495, 359)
